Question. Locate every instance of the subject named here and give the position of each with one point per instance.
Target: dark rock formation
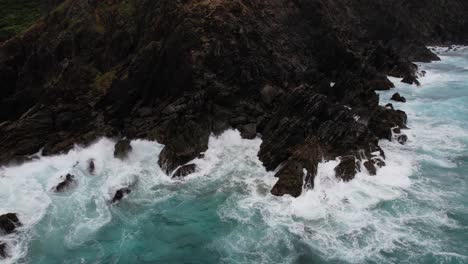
(369, 165)
(8, 223)
(91, 166)
(402, 139)
(398, 98)
(3, 250)
(184, 170)
(67, 183)
(177, 71)
(120, 194)
(122, 148)
(347, 168)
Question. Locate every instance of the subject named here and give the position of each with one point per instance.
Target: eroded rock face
(177, 71)
(122, 149)
(8, 223)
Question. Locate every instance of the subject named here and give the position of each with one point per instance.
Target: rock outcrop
(178, 71)
(122, 149)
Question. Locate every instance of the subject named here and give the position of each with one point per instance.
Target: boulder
(66, 184)
(122, 148)
(3, 250)
(184, 170)
(120, 194)
(347, 168)
(8, 223)
(402, 139)
(398, 98)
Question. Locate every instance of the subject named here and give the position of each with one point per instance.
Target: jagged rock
(8, 223)
(184, 170)
(383, 120)
(120, 194)
(397, 97)
(291, 179)
(3, 250)
(396, 130)
(177, 71)
(378, 162)
(411, 80)
(248, 131)
(402, 139)
(389, 106)
(347, 168)
(67, 183)
(369, 165)
(184, 147)
(122, 148)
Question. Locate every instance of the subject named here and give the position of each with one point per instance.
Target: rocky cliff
(301, 73)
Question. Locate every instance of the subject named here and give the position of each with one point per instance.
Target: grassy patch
(17, 15)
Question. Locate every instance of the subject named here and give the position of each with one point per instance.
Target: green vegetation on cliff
(17, 15)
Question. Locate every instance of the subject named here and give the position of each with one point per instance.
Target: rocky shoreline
(302, 74)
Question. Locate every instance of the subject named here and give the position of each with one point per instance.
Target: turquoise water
(414, 211)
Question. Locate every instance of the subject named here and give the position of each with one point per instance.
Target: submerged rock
(66, 184)
(122, 148)
(347, 168)
(184, 170)
(8, 223)
(120, 194)
(398, 98)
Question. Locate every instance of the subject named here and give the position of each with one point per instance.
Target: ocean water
(414, 211)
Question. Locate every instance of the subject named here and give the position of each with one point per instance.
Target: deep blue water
(414, 211)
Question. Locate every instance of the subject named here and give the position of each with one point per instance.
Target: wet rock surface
(347, 168)
(185, 170)
(122, 149)
(398, 98)
(8, 223)
(120, 194)
(3, 250)
(68, 181)
(178, 71)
